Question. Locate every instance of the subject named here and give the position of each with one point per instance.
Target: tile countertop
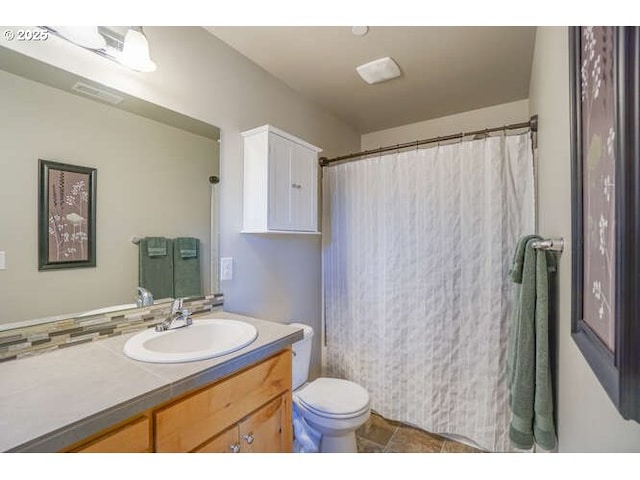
(52, 400)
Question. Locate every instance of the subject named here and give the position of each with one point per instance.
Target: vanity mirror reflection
(153, 179)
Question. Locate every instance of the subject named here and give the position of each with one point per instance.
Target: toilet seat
(333, 398)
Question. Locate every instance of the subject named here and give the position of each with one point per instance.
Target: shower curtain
(417, 246)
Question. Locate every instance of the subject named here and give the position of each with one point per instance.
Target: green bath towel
(155, 266)
(529, 372)
(186, 268)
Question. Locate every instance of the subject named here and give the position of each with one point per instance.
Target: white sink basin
(205, 338)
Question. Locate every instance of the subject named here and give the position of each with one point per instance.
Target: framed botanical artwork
(66, 216)
(605, 136)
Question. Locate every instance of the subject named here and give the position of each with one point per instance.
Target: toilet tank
(301, 356)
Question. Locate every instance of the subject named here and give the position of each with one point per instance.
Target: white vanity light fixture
(135, 51)
(127, 46)
(379, 70)
(87, 37)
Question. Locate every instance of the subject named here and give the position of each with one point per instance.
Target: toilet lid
(334, 396)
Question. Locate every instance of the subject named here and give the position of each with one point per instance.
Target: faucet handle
(145, 298)
(177, 306)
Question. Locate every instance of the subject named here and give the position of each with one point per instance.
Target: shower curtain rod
(532, 124)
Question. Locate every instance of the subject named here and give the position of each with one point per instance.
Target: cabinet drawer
(188, 423)
(131, 438)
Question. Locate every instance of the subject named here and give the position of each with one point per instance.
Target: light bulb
(135, 52)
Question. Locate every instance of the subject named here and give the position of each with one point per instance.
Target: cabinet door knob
(249, 438)
(234, 447)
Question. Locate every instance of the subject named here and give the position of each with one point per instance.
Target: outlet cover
(226, 268)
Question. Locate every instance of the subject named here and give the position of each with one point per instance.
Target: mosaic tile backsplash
(36, 339)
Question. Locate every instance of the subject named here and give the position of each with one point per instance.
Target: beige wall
(151, 180)
(275, 277)
(495, 116)
(587, 420)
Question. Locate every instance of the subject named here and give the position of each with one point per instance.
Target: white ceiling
(445, 70)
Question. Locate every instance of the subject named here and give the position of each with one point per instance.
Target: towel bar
(553, 244)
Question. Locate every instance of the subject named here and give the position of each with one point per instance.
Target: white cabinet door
(280, 183)
(304, 179)
(293, 189)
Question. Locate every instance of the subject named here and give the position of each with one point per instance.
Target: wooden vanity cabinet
(189, 423)
(133, 437)
(248, 411)
(264, 431)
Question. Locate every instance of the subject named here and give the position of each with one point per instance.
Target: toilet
(333, 407)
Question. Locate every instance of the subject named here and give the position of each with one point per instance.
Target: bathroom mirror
(153, 169)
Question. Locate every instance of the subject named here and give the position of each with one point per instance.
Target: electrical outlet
(3, 264)
(226, 268)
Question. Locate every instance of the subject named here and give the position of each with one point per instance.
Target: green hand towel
(156, 246)
(155, 270)
(188, 247)
(529, 373)
(186, 268)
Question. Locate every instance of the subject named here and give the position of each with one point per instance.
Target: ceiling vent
(98, 93)
(379, 70)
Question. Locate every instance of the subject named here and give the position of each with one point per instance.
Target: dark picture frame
(66, 216)
(605, 94)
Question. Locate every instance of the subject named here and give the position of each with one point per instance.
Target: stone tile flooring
(380, 435)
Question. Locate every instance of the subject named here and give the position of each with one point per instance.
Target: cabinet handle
(249, 438)
(234, 447)
(296, 185)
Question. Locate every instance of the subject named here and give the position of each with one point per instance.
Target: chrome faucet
(145, 298)
(179, 317)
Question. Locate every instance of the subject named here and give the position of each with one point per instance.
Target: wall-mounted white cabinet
(280, 183)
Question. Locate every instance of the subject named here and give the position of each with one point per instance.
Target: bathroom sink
(205, 338)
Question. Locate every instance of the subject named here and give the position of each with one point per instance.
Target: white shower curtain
(416, 252)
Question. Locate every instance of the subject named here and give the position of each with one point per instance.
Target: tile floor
(380, 435)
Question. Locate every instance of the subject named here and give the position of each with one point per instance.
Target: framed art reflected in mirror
(66, 216)
(605, 131)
